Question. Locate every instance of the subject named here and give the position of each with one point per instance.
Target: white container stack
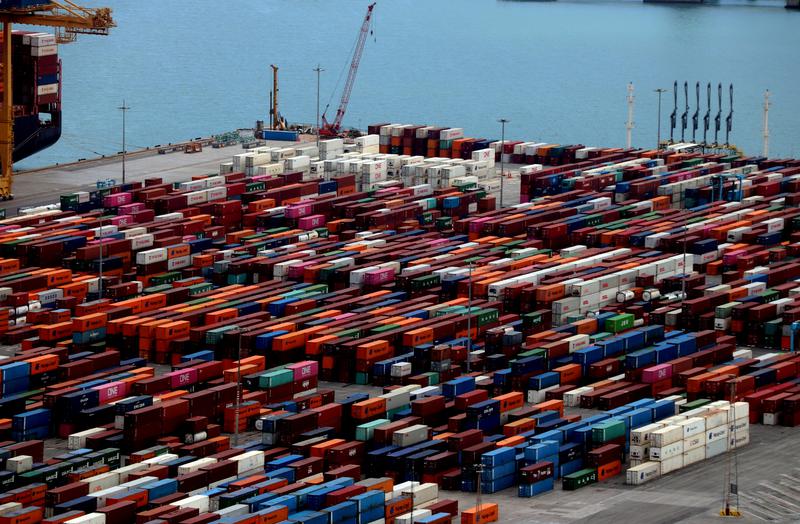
(686, 439)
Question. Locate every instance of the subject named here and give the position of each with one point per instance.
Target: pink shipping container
(730, 259)
(304, 370)
(296, 270)
(475, 226)
(298, 210)
(311, 222)
(112, 391)
(182, 378)
(656, 373)
(132, 208)
(122, 220)
(117, 199)
(379, 276)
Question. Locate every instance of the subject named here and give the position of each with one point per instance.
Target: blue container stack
(15, 378)
(32, 425)
(499, 469)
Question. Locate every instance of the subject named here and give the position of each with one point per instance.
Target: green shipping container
(608, 430)
(699, 403)
(273, 379)
(579, 479)
(619, 322)
(364, 431)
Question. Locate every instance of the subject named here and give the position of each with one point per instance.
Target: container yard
(356, 332)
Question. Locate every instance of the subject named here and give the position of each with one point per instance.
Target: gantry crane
(69, 19)
(334, 128)
(276, 120)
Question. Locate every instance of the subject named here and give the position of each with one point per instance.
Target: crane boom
(69, 19)
(333, 128)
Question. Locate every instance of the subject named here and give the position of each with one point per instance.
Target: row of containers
(432, 141)
(350, 470)
(483, 339)
(372, 171)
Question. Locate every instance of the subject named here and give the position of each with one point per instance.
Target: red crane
(334, 128)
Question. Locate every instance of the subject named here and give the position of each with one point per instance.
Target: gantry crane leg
(6, 118)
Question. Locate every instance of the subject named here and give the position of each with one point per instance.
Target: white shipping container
(643, 473)
(8, 507)
(124, 471)
(717, 447)
(670, 465)
(217, 193)
(413, 516)
(19, 464)
(179, 262)
(89, 518)
(716, 417)
(401, 369)
(45, 50)
(717, 433)
(422, 493)
(103, 496)
(573, 398)
(665, 436)
(694, 455)
(667, 452)
(693, 426)
(142, 242)
(78, 440)
(639, 452)
(410, 435)
(39, 39)
(639, 436)
(102, 481)
(249, 460)
(168, 217)
(694, 442)
(200, 502)
(191, 467)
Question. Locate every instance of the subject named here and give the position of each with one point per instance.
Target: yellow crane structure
(69, 19)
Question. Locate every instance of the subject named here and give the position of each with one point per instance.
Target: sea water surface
(558, 70)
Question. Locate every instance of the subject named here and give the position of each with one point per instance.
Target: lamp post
(660, 91)
(469, 318)
(238, 387)
(124, 108)
(318, 70)
(503, 122)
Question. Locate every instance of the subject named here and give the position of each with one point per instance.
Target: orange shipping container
(486, 512)
(369, 408)
(510, 401)
(373, 350)
(519, 426)
(552, 405)
(318, 450)
(173, 330)
(570, 374)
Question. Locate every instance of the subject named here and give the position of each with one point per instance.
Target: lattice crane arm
(334, 127)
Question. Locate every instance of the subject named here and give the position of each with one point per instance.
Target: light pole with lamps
(503, 122)
(124, 108)
(660, 91)
(318, 70)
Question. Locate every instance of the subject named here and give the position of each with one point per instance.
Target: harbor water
(557, 70)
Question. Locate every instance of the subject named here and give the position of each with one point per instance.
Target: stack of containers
(499, 469)
(691, 437)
